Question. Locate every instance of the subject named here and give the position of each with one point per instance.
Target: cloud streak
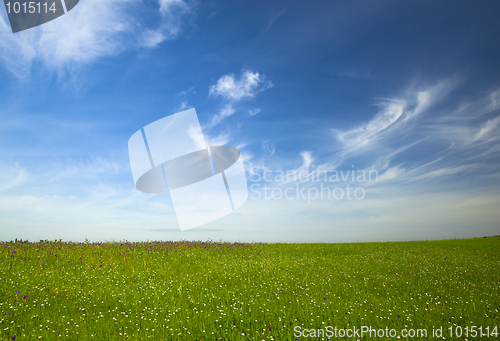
(225, 112)
(176, 14)
(367, 133)
(451, 143)
(12, 177)
(412, 145)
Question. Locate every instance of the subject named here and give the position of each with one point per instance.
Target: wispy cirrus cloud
(218, 140)
(206, 139)
(365, 134)
(487, 130)
(224, 112)
(81, 36)
(254, 112)
(176, 14)
(270, 22)
(450, 142)
(93, 30)
(411, 142)
(395, 117)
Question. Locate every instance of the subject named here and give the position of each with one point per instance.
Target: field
(235, 291)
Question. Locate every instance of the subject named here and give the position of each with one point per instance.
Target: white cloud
(80, 36)
(307, 159)
(367, 133)
(197, 136)
(152, 38)
(395, 118)
(254, 112)
(233, 90)
(391, 173)
(495, 101)
(408, 142)
(219, 140)
(226, 111)
(440, 172)
(166, 6)
(457, 141)
(203, 140)
(487, 128)
(268, 148)
(248, 85)
(92, 30)
(175, 15)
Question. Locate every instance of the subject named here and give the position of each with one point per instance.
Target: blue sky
(408, 89)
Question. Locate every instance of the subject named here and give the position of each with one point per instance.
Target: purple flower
(450, 320)
(25, 297)
(5, 313)
(494, 315)
(399, 317)
(13, 337)
(17, 292)
(270, 329)
(324, 298)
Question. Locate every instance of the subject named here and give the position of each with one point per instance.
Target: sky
(331, 91)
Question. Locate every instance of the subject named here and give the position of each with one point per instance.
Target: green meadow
(247, 291)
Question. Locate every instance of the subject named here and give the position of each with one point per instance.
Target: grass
(224, 291)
